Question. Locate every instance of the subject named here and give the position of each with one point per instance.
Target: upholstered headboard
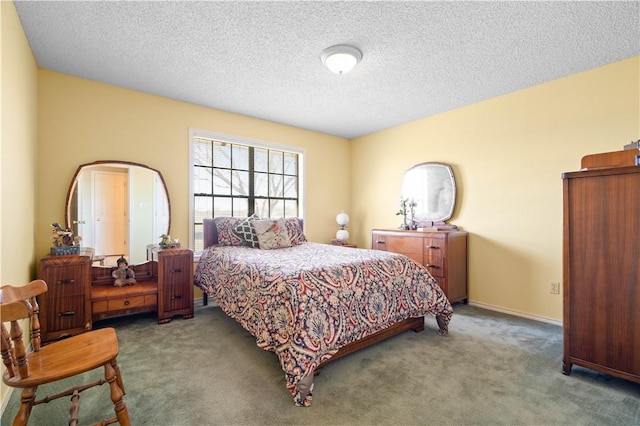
(210, 232)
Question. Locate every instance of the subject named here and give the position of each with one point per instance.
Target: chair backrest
(17, 304)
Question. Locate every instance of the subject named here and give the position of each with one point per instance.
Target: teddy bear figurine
(123, 275)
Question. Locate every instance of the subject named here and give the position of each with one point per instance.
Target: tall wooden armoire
(601, 270)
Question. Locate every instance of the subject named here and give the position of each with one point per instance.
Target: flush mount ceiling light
(341, 59)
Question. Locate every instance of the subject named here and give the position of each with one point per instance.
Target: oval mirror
(118, 208)
(433, 189)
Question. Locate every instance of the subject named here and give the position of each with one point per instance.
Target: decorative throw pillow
(225, 226)
(246, 232)
(294, 230)
(272, 233)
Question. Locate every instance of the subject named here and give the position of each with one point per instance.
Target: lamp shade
(342, 235)
(341, 59)
(342, 219)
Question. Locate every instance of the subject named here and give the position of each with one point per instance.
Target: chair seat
(66, 358)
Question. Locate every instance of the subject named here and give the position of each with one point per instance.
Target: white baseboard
(5, 401)
(516, 313)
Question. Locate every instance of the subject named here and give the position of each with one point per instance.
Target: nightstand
(342, 244)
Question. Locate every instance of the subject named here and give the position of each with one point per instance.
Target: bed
(312, 303)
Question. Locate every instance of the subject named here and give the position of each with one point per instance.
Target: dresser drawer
(434, 256)
(63, 313)
(64, 281)
(396, 244)
(124, 303)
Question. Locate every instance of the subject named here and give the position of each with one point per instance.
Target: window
(232, 176)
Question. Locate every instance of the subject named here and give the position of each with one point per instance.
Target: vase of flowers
(407, 210)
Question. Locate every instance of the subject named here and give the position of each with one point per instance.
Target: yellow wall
(18, 124)
(508, 154)
(82, 121)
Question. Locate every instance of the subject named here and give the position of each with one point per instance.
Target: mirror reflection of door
(147, 213)
(111, 223)
(161, 208)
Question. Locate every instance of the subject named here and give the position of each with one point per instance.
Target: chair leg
(75, 408)
(27, 398)
(120, 407)
(114, 364)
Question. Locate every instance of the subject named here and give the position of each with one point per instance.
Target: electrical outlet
(554, 288)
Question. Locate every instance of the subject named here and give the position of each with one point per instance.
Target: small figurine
(123, 275)
(165, 240)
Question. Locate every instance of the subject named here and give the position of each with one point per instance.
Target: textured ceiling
(262, 59)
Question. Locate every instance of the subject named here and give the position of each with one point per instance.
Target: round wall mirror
(118, 208)
(433, 189)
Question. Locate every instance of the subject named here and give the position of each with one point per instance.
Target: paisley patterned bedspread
(307, 301)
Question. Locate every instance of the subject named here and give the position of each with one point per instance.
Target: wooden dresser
(444, 253)
(601, 271)
(79, 293)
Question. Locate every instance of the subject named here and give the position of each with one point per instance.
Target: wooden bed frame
(210, 236)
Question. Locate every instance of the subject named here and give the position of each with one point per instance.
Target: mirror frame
(420, 220)
(74, 182)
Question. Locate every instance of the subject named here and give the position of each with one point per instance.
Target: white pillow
(272, 233)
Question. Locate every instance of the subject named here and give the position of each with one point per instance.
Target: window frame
(231, 139)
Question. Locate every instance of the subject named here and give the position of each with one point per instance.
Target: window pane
(222, 182)
(202, 152)
(261, 208)
(240, 207)
(260, 187)
(202, 180)
(276, 188)
(198, 238)
(276, 209)
(240, 183)
(221, 206)
(202, 208)
(221, 155)
(290, 208)
(290, 163)
(275, 161)
(240, 157)
(290, 187)
(260, 160)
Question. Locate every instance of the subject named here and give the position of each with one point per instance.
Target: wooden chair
(56, 361)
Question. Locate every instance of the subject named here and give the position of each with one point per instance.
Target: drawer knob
(67, 314)
(430, 265)
(433, 247)
(176, 297)
(176, 270)
(67, 281)
(126, 303)
(379, 242)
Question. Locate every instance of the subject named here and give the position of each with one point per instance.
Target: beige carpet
(492, 369)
